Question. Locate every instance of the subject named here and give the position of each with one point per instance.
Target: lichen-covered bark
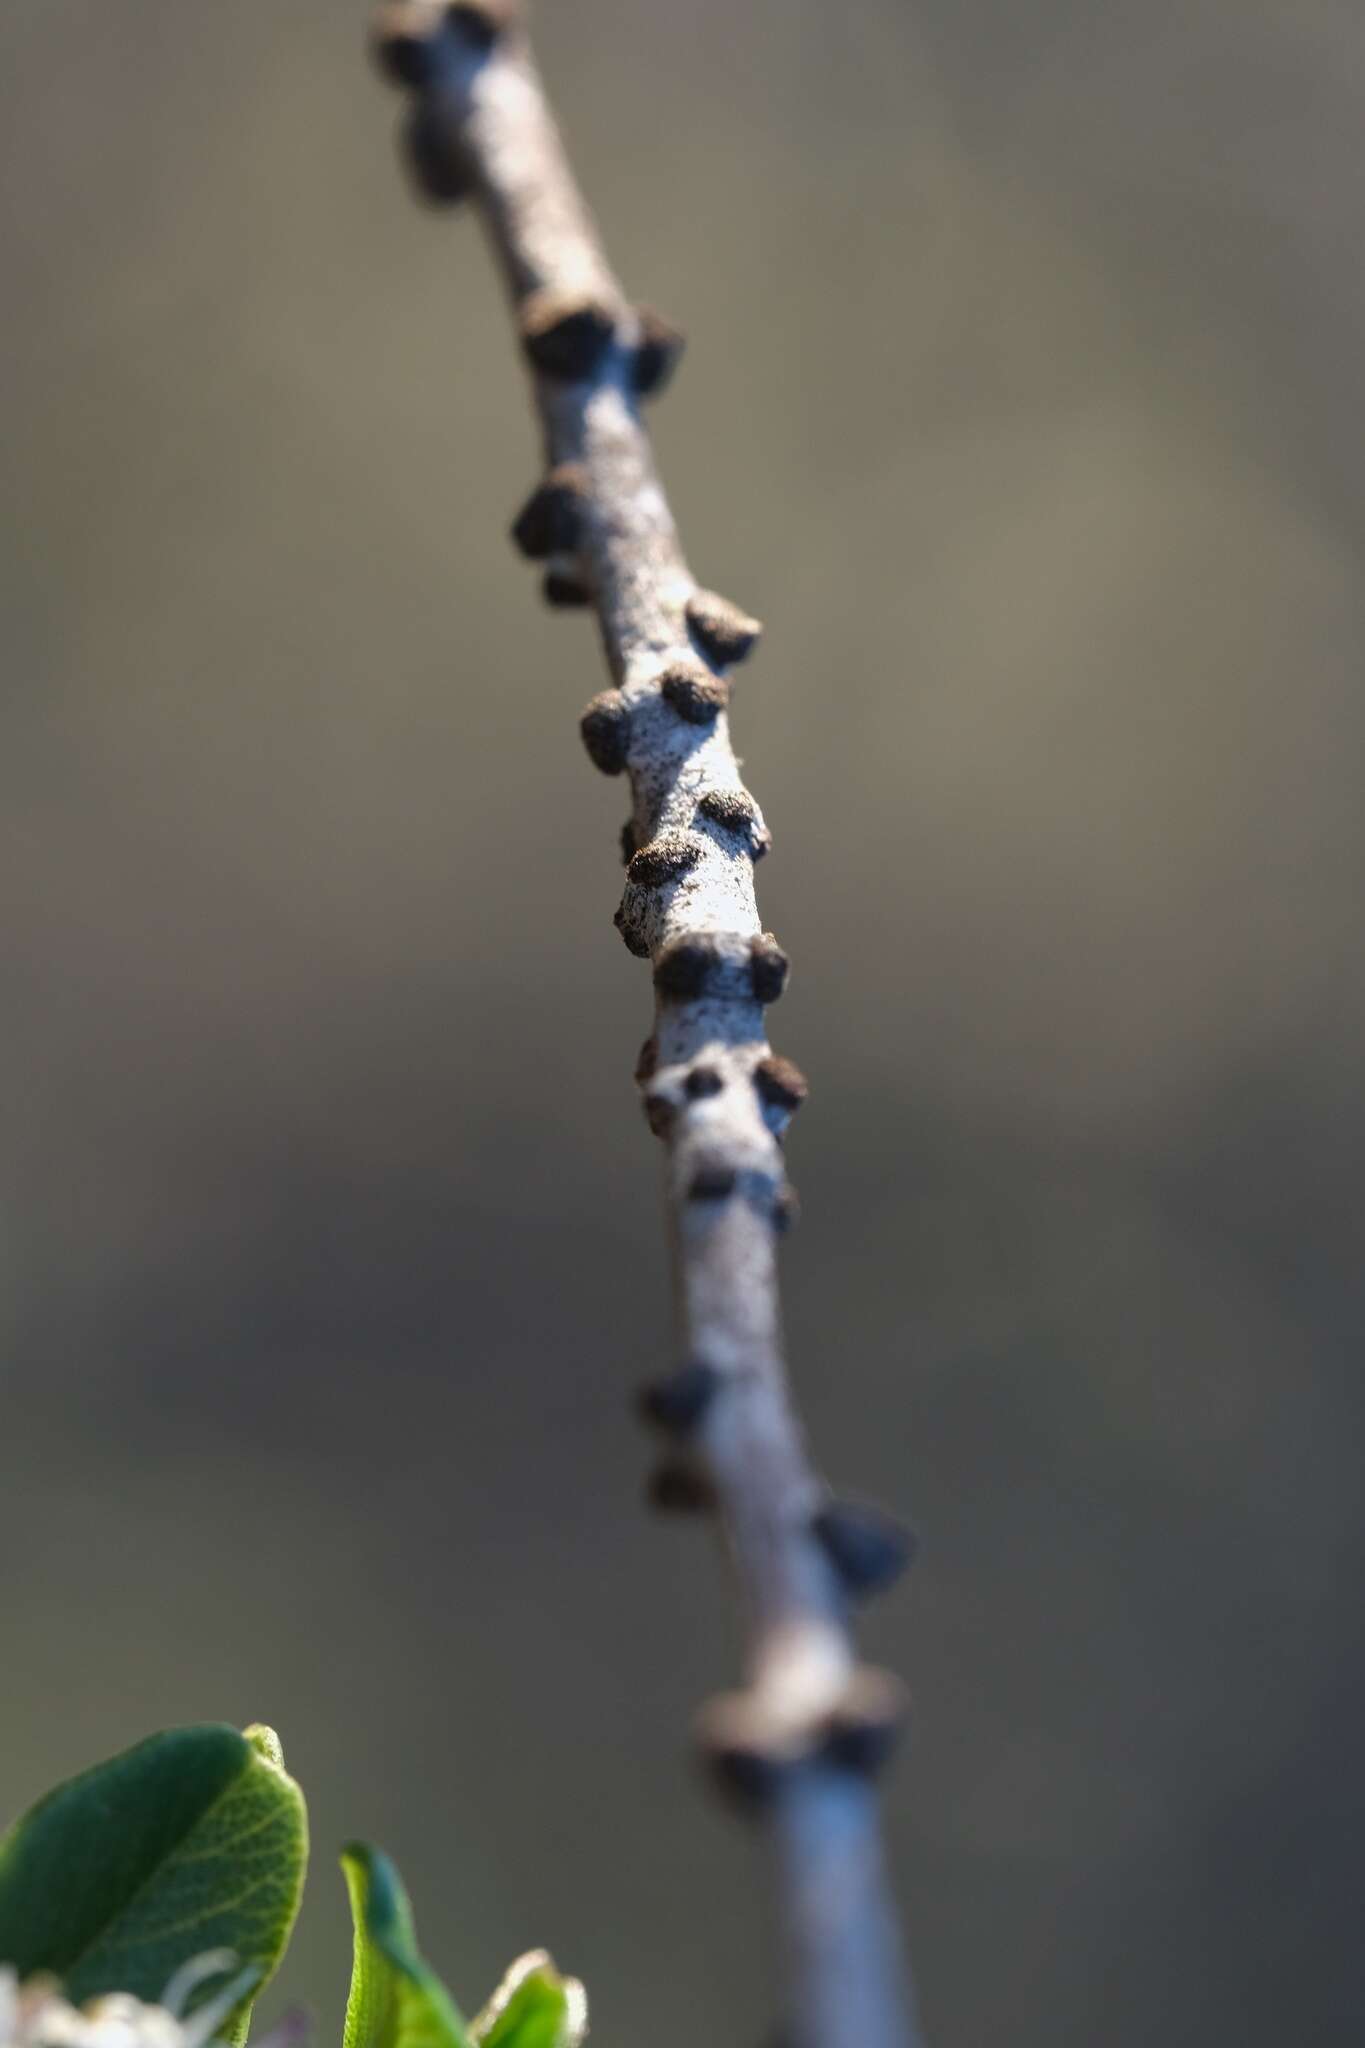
(803, 1737)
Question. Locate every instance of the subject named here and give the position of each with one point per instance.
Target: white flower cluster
(35, 2015)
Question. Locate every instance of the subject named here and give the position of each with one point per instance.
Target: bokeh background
(1024, 404)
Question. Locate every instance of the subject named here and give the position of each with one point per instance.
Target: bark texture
(800, 1742)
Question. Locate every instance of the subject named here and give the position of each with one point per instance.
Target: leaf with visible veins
(195, 1839)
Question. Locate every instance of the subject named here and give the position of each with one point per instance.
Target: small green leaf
(395, 2000)
(533, 2007)
(194, 1840)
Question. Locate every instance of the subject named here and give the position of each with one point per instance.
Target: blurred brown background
(1024, 404)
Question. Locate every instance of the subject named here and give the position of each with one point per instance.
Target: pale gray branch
(802, 1739)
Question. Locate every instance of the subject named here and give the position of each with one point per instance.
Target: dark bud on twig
(551, 520)
(677, 1487)
(864, 1728)
(481, 22)
(678, 1403)
(703, 1081)
(745, 1774)
(734, 810)
(768, 968)
(722, 632)
(712, 1183)
(780, 1082)
(684, 969)
(663, 860)
(437, 164)
(750, 1749)
(747, 1752)
(566, 334)
(661, 1112)
(695, 694)
(405, 37)
(563, 592)
(605, 726)
(635, 940)
(868, 1548)
(657, 353)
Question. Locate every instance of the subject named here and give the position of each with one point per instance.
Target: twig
(802, 1740)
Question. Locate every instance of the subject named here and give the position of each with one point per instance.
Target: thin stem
(800, 1742)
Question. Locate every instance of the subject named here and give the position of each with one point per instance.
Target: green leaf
(533, 2007)
(194, 1840)
(395, 2000)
